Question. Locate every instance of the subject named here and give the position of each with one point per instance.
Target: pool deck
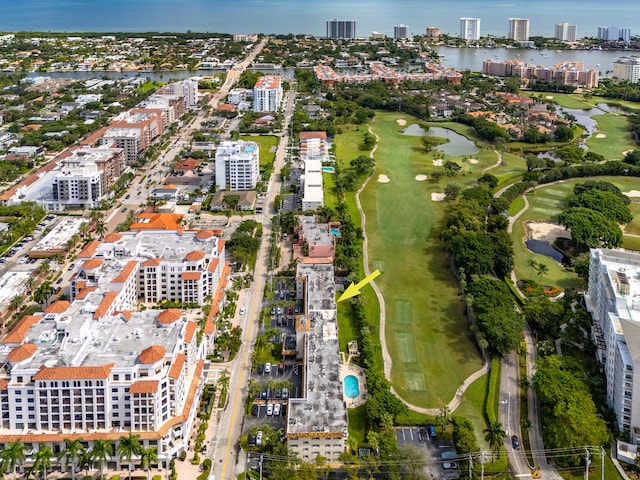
(346, 369)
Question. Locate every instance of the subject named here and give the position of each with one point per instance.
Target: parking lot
(432, 449)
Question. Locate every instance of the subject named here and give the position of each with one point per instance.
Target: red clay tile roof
(105, 305)
(195, 256)
(152, 354)
(221, 245)
(89, 250)
(308, 135)
(17, 334)
(22, 352)
(73, 373)
(126, 272)
(189, 331)
(80, 284)
(112, 237)
(60, 306)
(157, 221)
(152, 262)
(187, 164)
(92, 264)
(85, 292)
(191, 276)
(204, 234)
(4, 384)
(168, 316)
(176, 368)
(213, 264)
(127, 314)
(144, 386)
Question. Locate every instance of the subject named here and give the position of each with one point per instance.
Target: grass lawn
(595, 472)
(267, 144)
(516, 206)
(618, 137)
(472, 407)
(358, 423)
(426, 333)
(568, 100)
(545, 205)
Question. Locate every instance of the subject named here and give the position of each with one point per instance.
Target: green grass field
(545, 204)
(426, 332)
(618, 138)
(267, 144)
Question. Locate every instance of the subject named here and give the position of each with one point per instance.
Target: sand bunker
(437, 163)
(382, 178)
(632, 193)
(474, 160)
(601, 135)
(549, 97)
(545, 231)
(401, 121)
(437, 197)
(627, 151)
(421, 178)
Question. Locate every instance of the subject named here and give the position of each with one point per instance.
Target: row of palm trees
(76, 455)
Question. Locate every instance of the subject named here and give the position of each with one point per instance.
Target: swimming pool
(328, 169)
(351, 386)
(335, 232)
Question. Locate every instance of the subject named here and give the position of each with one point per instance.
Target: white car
(243, 311)
(276, 409)
(267, 367)
(270, 409)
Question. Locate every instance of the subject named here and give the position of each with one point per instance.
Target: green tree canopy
(590, 228)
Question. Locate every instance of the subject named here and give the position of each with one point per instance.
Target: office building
(317, 421)
(519, 29)
(267, 93)
(237, 165)
(614, 34)
(613, 300)
(469, 29)
(345, 29)
(400, 32)
(433, 32)
(627, 69)
(566, 32)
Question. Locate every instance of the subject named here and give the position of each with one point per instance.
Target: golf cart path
(387, 360)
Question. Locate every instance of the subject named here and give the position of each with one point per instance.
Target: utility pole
(586, 466)
(482, 466)
(602, 462)
(261, 466)
(470, 466)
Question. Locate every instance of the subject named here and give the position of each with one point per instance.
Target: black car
(260, 368)
(515, 443)
(265, 393)
(254, 410)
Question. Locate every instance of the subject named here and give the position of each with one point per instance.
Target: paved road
(226, 460)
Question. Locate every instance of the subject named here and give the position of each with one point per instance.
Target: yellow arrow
(354, 290)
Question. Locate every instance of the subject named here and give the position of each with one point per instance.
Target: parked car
(255, 409)
(432, 431)
(259, 438)
(449, 465)
(281, 368)
(276, 409)
(267, 367)
(265, 393)
(285, 393)
(515, 443)
(243, 311)
(270, 409)
(260, 368)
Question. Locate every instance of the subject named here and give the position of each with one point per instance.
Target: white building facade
(400, 32)
(566, 32)
(237, 165)
(267, 93)
(469, 28)
(627, 69)
(519, 29)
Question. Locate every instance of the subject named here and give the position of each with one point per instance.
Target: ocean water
(307, 16)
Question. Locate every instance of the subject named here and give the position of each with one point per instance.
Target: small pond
(545, 248)
(458, 144)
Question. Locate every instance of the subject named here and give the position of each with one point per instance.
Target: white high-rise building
(566, 32)
(400, 32)
(469, 28)
(614, 34)
(614, 303)
(267, 93)
(237, 165)
(341, 28)
(519, 29)
(627, 69)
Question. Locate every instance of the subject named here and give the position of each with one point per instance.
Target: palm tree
(223, 380)
(148, 457)
(72, 453)
(129, 447)
(83, 229)
(85, 462)
(96, 215)
(42, 460)
(101, 228)
(14, 455)
(443, 418)
(101, 452)
(44, 268)
(16, 302)
(494, 435)
(42, 292)
(542, 270)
